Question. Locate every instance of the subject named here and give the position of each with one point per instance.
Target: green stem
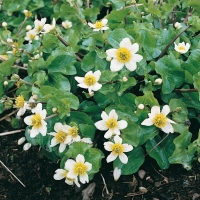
(21, 26)
(186, 90)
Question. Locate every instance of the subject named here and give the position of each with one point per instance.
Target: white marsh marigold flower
(67, 24)
(117, 149)
(182, 47)
(21, 104)
(90, 81)
(110, 123)
(99, 25)
(37, 121)
(78, 168)
(31, 35)
(159, 119)
(124, 55)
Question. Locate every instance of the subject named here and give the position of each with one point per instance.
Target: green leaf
(63, 64)
(87, 131)
(91, 60)
(80, 117)
(118, 15)
(125, 85)
(107, 76)
(161, 152)
(128, 99)
(135, 160)
(172, 74)
(184, 151)
(6, 67)
(196, 78)
(49, 42)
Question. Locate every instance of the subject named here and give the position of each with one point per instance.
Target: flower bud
(4, 24)
(158, 81)
(8, 104)
(141, 106)
(16, 123)
(91, 93)
(9, 40)
(117, 173)
(108, 58)
(21, 140)
(27, 146)
(28, 27)
(35, 96)
(15, 78)
(178, 109)
(124, 79)
(54, 110)
(27, 13)
(177, 25)
(5, 83)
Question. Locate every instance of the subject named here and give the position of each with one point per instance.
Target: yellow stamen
(80, 168)
(111, 123)
(73, 131)
(160, 120)
(123, 55)
(98, 25)
(117, 148)
(19, 102)
(60, 136)
(32, 36)
(181, 48)
(36, 121)
(90, 80)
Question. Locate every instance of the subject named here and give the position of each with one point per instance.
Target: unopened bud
(117, 173)
(15, 78)
(27, 146)
(4, 24)
(54, 110)
(177, 25)
(124, 79)
(35, 96)
(21, 140)
(133, 1)
(28, 27)
(178, 109)
(27, 13)
(16, 123)
(108, 58)
(5, 83)
(91, 93)
(8, 104)
(141, 106)
(158, 81)
(9, 40)
(142, 13)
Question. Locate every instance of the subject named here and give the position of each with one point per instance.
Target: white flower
(117, 173)
(99, 25)
(9, 40)
(90, 81)
(28, 27)
(21, 104)
(59, 136)
(182, 47)
(4, 24)
(86, 140)
(78, 168)
(117, 149)
(141, 106)
(21, 140)
(177, 25)
(31, 35)
(5, 83)
(72, 134)
(124, 55)
(110, 123)
(158, 81)
(159, 119)
(39, 24)
(49, 27)
(67, 24)
(37, 121)
(27, 146)
(124, 79)
(62, 173)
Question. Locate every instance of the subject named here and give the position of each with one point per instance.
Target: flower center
(111, 123)
(32, 36)
(80, 168)
(73, 131)
(36, 121)
(117, 148)
(181, 48)
(123, 55)
(19, 101)
(98, 25)
(90, 80)
(60, 136)
(160, 120)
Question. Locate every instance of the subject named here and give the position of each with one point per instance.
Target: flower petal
(91, 25)
(83, 85)
(34, 132)
(126, 42)
(108, 146)
(155, 110)
(62, 147)
(131, 65)
(80, 158)
(58, 126)
(123, 157)
(111, 157)
(108, 134)
(104, 116)
(168, 128)
(127, 147)
(165, 110)
(104, 21)
(27, 120)
(111, 52)
(88, 166)
(122, 124)
(53, 142)
(137, 57)
(97, 75)
(79, 79)
(134, 48)
(147, 122)
(101, 125)
(115, 65)
(84, 178)
(69, 164)
(96, 86)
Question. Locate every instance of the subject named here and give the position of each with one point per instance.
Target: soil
(36, 172)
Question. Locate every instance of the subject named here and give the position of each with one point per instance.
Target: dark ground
(36, 172)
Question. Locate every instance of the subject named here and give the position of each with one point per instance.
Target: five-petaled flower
(62, 173)
(78, 168)
(159, 119)
(117, 149)
(177, 25)
(110, 123)
(49, 27)
(59, 136)
(67, 24)
(99, 25)
(39, 24)
(124, 55)
(182, 47)
(21, 104)
(31, 35)
(90, 81)
(37, 121)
